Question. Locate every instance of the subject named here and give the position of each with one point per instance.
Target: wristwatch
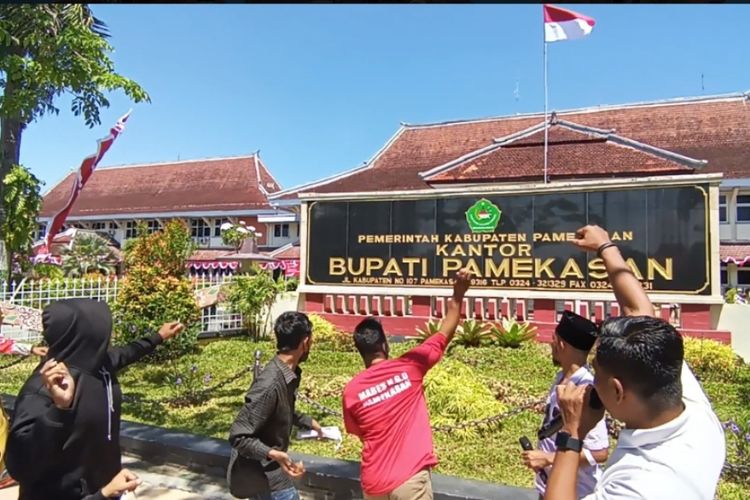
(564, 442)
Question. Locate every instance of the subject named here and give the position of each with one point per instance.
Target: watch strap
(565, 442)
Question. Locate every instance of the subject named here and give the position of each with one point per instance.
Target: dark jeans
(287, 494)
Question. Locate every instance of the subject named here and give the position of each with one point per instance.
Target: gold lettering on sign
(571, 269)
(665, 271)
(336, 266)
(392, 268)
(597, 269)
(450, 266)
(634, 268)
(544, 267)
(523, 268)
(495, 270)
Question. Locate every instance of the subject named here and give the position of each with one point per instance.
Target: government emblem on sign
(483, 216)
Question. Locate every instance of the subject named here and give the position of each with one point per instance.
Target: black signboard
(512, 241)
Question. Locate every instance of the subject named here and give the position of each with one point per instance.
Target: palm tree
(87, 254)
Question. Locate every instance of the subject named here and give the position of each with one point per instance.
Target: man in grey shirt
(259, 467)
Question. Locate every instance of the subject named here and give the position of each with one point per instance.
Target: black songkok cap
(576, 331)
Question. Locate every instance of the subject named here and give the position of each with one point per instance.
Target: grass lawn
(469, 384)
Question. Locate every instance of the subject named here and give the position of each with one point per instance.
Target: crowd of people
(64, 436)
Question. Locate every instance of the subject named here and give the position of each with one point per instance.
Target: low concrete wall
(326, 479)
(736, 319)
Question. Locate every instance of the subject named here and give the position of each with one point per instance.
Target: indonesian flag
(562, 24)
(84, 172)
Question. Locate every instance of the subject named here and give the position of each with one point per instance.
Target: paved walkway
(162, 483)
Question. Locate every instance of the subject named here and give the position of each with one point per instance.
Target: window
(743, 277)
(99, 226)
(722, 208)
(199, 229)
(743, 208)
(131, 229)
(41, 232)
(281, 230)
(153, 226)
(724, 276)
(217, 226)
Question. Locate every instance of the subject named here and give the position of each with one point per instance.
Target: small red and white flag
(562, 24)
(88, 165)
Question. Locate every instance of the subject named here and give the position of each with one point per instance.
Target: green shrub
(511, 333)
(472, 333)
(730, 297)
(291, 284)
(455, 393)
(46, 271)
(252, 295)
(710, 359)
(327, 337)
(428, 330)
(156, 290)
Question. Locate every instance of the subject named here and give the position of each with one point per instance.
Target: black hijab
(78, 332)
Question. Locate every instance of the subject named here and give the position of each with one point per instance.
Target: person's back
(385, 406)
(388, 405)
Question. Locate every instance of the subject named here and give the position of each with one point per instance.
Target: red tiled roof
(195, 185)
(735, 253)
(207, 255)
(286, 252)
(572, 153)
(716, 129)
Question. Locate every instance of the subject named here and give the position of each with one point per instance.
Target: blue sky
(320, 88)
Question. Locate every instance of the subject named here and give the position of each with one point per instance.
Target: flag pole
(545, 112)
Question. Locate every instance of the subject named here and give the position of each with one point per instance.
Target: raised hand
(171, 329)
(462, 283)
(591, 237)
(59, 383)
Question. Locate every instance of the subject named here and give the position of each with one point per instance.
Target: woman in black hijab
(64, 441)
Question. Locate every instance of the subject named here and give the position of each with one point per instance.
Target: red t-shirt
(385, 406)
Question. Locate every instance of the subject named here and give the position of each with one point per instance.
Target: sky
(319, 89)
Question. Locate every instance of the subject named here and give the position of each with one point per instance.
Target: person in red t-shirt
(385, 406)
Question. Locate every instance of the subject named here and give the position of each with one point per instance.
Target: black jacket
(71, 454)
(264, 422)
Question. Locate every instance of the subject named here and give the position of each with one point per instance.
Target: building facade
(640, 144)
(203, 193)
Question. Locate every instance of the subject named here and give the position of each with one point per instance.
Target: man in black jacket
(64, 441)
(259, 467)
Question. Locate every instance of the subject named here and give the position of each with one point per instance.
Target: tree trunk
(10, 150)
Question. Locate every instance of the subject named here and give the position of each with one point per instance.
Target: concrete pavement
(161, 482)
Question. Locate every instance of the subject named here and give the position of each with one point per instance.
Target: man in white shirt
(573, 339)
(673, 444)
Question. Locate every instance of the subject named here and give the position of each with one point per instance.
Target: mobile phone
(527, 446)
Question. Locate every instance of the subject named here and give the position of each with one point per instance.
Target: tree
(21, 201)
(47, 50)
(156, 290)
(88, 253)
(235, 235)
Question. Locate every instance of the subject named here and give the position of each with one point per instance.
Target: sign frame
(598, 185)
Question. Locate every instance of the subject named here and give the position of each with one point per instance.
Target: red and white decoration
(562, 24)
(232, 265)
(290, 267)
(88, 165)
